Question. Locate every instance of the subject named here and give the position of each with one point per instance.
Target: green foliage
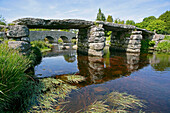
(73, 41)
(10, 24)
(100, 16)
(2, 20)
(164, 46)
(157, 25)
(42, 45)
(35, 56)
(166, 18)
(167, 37)
(118, 21)
(151, 43)
(144, 44)
(149, 19)
(60, 41)
(39, 29)
(130, 22)
(109, 18)
(12, 76)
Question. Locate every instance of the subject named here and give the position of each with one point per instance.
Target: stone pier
(91, 41)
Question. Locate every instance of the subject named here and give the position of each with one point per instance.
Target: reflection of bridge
(91, 36)
(99, 70)
(52, 36)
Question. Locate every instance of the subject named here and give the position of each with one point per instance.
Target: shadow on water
(145, 76)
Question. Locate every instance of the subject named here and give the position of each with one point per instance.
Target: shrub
(163, 46)
(167, 37)
(35, 56)
(144, 44)
(41, 45)
(151, 43)
(12, 76)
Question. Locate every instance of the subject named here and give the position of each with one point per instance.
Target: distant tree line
(151, 23)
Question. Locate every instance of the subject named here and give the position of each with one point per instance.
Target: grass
(116, 102)
(12, 73)
(42, 45)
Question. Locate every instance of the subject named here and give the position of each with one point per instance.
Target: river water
(144, 75)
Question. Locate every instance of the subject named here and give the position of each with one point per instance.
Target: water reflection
(136, 74)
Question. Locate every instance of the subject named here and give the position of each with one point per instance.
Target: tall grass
(12, 76)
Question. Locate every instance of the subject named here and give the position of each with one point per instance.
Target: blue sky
(82, 9)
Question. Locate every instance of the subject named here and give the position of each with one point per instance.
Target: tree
(100, 16)
(149, 19)
(2, 20)
(109, 18)
(157, 25)
(118, 21)
(166, 18)
(130, 22)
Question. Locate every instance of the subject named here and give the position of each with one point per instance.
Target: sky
(82, 9)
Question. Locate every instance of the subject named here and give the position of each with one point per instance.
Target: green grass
(12, 73)
(42, 45)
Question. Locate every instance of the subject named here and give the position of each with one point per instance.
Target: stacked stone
(135, 42)
(133, 61)
(19, 33)
(82, 41)
(96, 40)
(119, 41)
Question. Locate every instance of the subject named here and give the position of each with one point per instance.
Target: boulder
(21, 45)
(16, 31)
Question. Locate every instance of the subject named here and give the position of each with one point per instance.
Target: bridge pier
(126, 41)
(91, 41)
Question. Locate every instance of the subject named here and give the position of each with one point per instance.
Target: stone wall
(91, 41)
(19, 33)
(119, 40)
(134, 44)
(40, 35)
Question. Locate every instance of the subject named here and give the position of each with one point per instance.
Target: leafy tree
(118, 21)
(2, 20)
(157, 25)
(109, 18)
(130, 22)
(100, 16)
(149, 19)
(166, 18)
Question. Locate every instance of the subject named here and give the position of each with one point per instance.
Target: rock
(26, 39)
(97, 46)
(16, 31)
(21, 45)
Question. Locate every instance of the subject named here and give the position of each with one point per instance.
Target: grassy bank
(164, 46)
(42, 45)
(14, 81)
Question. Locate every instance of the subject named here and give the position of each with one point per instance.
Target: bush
(12, 76)
(167, 37)
(151, 43)
(163, 46)
(144, 44)
(41, 45)
(35, 56)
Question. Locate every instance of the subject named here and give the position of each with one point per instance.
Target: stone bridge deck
(91, 35)
(73, 24)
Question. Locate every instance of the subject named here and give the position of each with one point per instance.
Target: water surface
(143, 75)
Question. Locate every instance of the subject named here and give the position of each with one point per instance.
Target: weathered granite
(23, 46)
(134, 44)
(16, 31)
(74, 24)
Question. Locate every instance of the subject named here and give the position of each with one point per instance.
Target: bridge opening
(49, 39)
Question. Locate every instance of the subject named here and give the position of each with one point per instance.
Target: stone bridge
(91, 36)
(52, 36)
